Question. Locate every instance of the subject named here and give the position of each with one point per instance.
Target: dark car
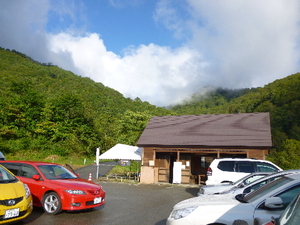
(2, 157)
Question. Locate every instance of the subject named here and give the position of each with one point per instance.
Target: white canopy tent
(123, 152)
(120, 152)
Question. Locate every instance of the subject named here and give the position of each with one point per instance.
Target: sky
(161, 51)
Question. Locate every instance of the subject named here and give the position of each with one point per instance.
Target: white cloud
(248, 43)
(152, 73)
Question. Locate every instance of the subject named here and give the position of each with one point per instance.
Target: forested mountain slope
(48, 110)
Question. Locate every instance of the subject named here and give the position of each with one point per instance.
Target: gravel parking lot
(126, 203)
(143, 203)
(134, 204)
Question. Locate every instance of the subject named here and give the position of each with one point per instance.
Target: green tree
(288, 156)
(132, 124)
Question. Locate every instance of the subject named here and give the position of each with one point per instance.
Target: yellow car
(15, 198)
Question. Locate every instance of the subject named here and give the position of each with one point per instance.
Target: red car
(56, 188)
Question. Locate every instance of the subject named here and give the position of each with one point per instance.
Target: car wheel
(52, 203)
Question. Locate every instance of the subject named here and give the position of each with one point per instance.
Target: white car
(244, 181)
(224, 170)
(267, 201)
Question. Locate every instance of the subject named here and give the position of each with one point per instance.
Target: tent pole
(97, 162)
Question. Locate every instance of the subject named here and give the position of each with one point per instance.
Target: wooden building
(195, 140)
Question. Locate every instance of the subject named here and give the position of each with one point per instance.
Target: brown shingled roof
(217, 130)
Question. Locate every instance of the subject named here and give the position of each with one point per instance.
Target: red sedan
(55, 188)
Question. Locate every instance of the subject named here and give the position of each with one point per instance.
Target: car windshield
(6, 177)
(291, 215)
(249, 179)
(53, 172)
(240, 180)
(262, 191)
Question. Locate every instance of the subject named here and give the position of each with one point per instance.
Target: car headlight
(75, 192)
(27, 190)
(180, 213)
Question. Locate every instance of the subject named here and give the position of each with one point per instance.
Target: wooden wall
(152, 168)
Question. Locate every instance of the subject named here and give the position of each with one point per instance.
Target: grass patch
(74, 160)
(121, 170)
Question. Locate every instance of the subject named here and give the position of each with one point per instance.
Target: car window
(56, 172)
(265, 167)
(28, 171)
(289, 195)
(255, 186)
(12, 167)
(252, 179)
(259, 184)
(291, 216)
(226, 166)
(252, 196)
(245, 167)
(6, 177)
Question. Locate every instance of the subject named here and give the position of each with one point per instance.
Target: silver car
(259, 183)
(219, 188)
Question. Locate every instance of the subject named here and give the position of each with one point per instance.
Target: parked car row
(239, 190)
(52, 186)
(267, 201)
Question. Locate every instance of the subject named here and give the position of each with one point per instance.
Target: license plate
(11, 213)
(97, 200)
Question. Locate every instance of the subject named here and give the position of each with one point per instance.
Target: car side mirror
(274, 203)
(36, 177)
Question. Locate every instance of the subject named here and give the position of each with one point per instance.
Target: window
(289, 195)
(226, 166)
(245, 167)
(12, 167)
(252, 196)
(252, 179)
(255, 186)
(291, 215)
(56, 172)
(265, 167)
(260, 184)
(28, 171)
(6, 177)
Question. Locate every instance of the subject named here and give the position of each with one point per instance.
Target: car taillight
(209, 171)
